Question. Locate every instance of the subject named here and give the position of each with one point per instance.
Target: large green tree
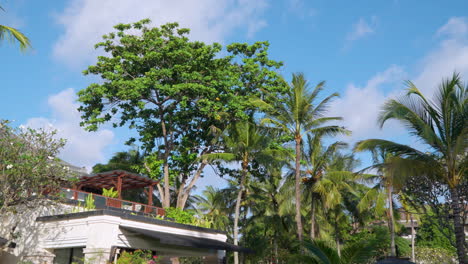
(297, 113)
(29, 167)
(14, 35)
(173, 92)
(442, 125)
(245, 143)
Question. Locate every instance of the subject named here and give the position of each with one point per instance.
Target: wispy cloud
(300, 8)
(361, 29)
(82, 148)
(361, 104)
(85, 21)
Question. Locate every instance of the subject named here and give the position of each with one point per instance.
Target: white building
(64, 231)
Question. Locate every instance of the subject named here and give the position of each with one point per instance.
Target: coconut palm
(298, 113)
(321, 252)
(214, 206)
(442, 125)
(14, 35)
(272, 206)
(317, 158)
(333, 187)
(384, 185)
(243, 142)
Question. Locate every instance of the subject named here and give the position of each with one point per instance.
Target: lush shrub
(138, 257)
(430, 234)
(179, 215)
(185, 217)
(427, 255)
(110, 192)
(403, 245)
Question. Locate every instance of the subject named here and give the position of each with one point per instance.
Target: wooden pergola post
(119, 186)
(150, 195)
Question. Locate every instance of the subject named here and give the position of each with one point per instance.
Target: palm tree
(320, 252)
(272, 206)
(442, 125)
(297, 113)
(384, 185)
(243, 142)
(11, 34)
(214, 205)
(317, 158)
(333, 187)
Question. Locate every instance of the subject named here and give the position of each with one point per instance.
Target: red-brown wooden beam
(150, 196)
(119, 186)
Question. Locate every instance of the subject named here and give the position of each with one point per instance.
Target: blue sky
(363, 49)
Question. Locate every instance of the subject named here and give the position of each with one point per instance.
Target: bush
(430, 234)
(138, 257)
(427, 255)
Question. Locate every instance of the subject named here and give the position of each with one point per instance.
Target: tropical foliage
(13, 35)
(293, 192)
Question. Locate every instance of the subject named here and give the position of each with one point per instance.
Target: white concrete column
(39, 258)
(215, 259)
(102, 234)
(97, 255)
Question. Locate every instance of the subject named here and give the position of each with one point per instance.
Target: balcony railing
(101, 201)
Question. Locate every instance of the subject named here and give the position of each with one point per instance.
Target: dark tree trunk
(312, 219)
(298, 188)
(391, 223)
(413, 233)
(458, 224)
(237, 210)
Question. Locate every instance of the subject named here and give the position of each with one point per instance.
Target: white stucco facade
(98, 235)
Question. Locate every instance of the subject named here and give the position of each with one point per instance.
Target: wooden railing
(101, 201)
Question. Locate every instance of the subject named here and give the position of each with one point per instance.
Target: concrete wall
(36, 241)
(19, 226)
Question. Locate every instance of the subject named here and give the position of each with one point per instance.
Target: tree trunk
(337, 236)
(276, 249)
(186, 191)
(413, 233)
(166, 200)
(298, 188)
(458, 224)
(237, 210)
(312, 220)
(391, 223)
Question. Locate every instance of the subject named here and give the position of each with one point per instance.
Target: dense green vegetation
(294, 193)
(195, 105)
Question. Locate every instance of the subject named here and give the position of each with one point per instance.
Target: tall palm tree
(338, 181)
(317, 158)
(298, 113)
(442, 125)
(14, 35)
(214, 205)
(272, 206)
(320, 252)
(384, 185)
(243, 142)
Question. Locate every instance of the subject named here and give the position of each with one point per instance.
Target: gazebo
(120, 180)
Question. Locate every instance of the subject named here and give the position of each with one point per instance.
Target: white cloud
(82, 148)
(300, 8)
(455, 27)
(450, 55)
(85, 21)
(361, 29)
(360, 106)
